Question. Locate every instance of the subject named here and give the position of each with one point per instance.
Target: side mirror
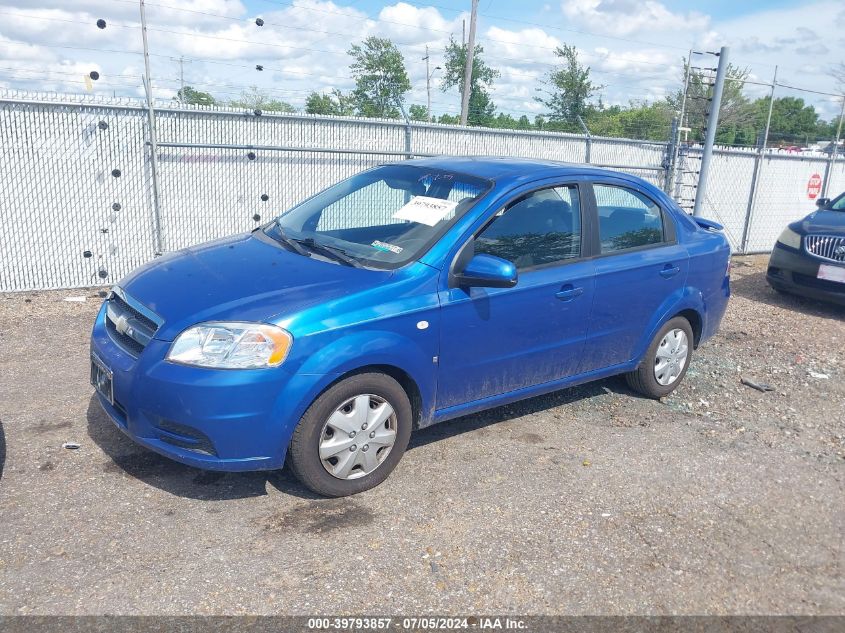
(487, 271)
(822, 202)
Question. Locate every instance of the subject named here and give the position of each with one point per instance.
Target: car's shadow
(185, 481)
(179, 479)
(754, 286)
(469, 423)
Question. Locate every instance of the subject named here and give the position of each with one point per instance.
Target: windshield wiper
(338, 254)
(291, 243)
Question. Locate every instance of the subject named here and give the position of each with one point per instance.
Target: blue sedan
(405, 296)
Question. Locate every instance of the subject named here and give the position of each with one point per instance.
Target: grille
(120, 302)
(830, 247)
(128, 323)
(126, 342)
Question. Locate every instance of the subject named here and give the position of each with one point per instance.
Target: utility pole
(182, 76)
(181, 61)
(152, 124)
(712, 124)
(683, 112)
(427, 87)
(428, 76)
(470, 51)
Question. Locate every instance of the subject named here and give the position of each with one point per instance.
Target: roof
(504, 168)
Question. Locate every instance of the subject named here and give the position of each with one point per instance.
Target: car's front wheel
(666, 361)
(352, 436)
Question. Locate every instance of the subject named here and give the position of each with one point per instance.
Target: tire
(644, 379)
(341, 423)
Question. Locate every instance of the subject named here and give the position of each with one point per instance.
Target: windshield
(838, 204)
(384, 217)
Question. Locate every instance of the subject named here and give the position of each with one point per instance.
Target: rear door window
(627, 219)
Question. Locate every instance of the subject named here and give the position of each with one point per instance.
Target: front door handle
(669, 271)
(569, 293)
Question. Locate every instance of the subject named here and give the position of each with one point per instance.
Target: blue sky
(634, 47)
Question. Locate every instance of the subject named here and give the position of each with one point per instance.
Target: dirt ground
(719, 499)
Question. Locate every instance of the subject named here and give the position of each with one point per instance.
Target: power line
(304, 28)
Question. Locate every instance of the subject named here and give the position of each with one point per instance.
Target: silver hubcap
(358, 436)
(671, 357)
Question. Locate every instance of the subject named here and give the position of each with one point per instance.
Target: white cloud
(416, 25)
(626, 17)
(303, 47)
(524, 45)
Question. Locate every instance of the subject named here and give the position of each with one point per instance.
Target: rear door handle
(669, 271)
(569, 293)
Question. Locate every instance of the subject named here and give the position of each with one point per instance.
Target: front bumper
(232, 420)
(796, 272)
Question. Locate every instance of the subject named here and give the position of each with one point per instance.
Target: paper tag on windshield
(425, 210)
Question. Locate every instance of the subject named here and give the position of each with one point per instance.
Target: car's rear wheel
(666, 360)
(352, 436)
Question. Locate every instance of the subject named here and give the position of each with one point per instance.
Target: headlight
(231, 345)
(790, 238)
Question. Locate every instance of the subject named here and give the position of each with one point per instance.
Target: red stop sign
(814, 186)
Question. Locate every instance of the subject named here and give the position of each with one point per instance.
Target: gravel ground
(719, 499)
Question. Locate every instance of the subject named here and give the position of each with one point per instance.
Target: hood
(824, 221)
(240, 278)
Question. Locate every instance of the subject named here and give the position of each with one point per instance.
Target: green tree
(381, 80)
(481, 106)
(418, 112)
(792, 120)
(504, 121)
(651, 122)
(192, 96)
(335, 104)
(255, 99)
(568, 90)
(605, 121)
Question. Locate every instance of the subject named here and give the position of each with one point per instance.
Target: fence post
(588, 139)
(158, 246)
(755, 174)
(829, 167)
(762, 142)
(680, 164)
(148, 89)
(670, 159)
(408, 150)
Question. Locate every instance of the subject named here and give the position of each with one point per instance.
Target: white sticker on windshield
(425, 210)
(386, 248)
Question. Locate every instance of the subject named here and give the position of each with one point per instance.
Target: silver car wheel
(358, 436)
(671, 357)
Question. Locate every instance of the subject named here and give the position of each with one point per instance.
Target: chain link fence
(754, 195)
(78, 205)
